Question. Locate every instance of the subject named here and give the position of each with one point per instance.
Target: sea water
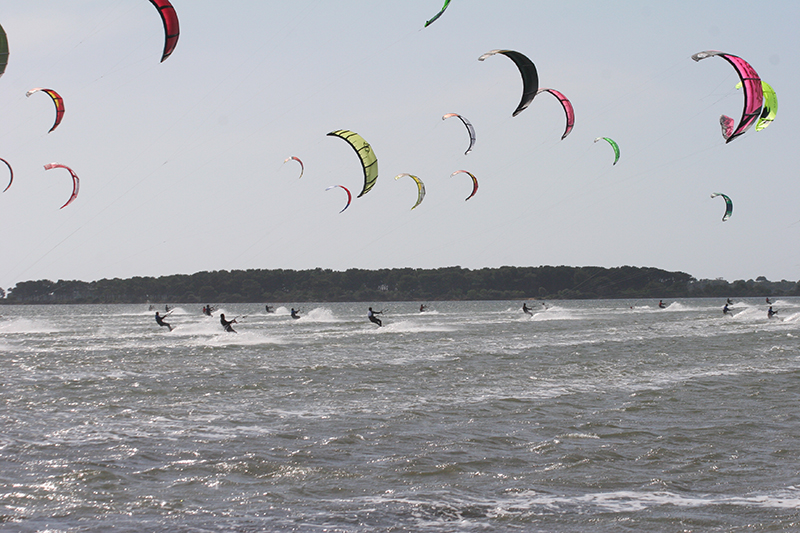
(611, 415)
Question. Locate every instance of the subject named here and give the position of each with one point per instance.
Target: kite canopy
(470, 129)
(368, 160)
(770, 109)
(3, 50)
(11, 171)
(474, 182)
(753, 92)
(728, 205)
(530, 78)
(57, 101)
(76, 183)
(349, 196)
(420, 187)
(567, 105)
(613, 144)
(439, 14)
(302, 168)
(171, 27)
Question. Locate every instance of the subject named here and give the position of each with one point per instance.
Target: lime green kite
(368, 159)
(770, 108)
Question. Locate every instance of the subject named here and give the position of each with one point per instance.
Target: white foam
(26, 325)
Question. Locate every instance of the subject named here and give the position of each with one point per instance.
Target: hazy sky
(181, 162)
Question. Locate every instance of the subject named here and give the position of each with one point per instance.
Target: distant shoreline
(398, 285)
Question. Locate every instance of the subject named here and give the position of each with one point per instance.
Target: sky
(182, 170)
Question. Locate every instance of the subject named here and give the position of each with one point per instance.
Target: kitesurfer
(227, 323)
(725, 309)
(730, 302)
(294, 313)
(768, 302)
(207, 310)
(372, 318)
(270, 309)
(167, 308)
(661, 304)
(771, 313)
(526, 309)
(422, 308)
(160, 321)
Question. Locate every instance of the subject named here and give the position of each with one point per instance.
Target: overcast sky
(182, 162)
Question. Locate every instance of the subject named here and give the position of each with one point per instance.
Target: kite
(302, 168)
(568, 109)
(57, 101)
(349, 196)
(11, 171)
(171, 28)
(530, 78)
(474, 182)
(439, 14)
(420, 188)
(3, 50)
(470, 129)
(770, 108)
(728, 205)
(368, 160)
(614, 145)
(753, 94)
(76, 183)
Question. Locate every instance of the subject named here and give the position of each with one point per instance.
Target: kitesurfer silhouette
(227, 323)
(422, 308)
(771, 313)
(269, 309)
(294, 313)
(160, 321)
(526, 309)
(725, 310)
(372, 318)
(661, 304)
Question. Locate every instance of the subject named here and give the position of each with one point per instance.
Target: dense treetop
(397, 284)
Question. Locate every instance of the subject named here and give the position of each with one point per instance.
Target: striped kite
(420, 187)
(171, 27)
(76, 183)
(369, 161)
(728, 205)
(57, 101)
(753, 94)
(469, 126)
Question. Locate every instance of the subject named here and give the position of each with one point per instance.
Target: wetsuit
(725, 310)
(160, 321)
(372, 318)
(227, 323)
(294, 313)
(771, 313)
(526, 309)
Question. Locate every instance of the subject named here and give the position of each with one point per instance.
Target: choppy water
(588, 416)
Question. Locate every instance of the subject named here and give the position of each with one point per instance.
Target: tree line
(396, 284)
